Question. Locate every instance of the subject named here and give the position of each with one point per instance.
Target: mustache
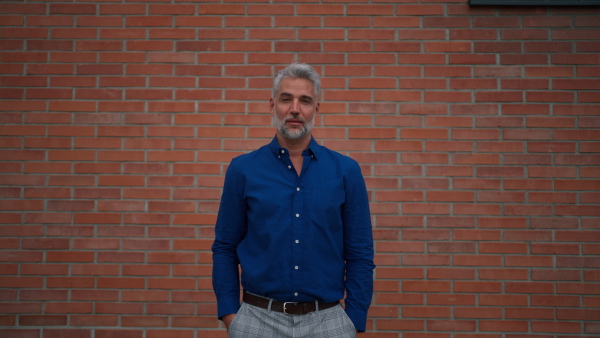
(291, 117)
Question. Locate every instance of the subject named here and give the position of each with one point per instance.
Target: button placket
(297, 209)
(300, 203)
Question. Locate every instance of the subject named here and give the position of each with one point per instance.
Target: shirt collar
(313, 147)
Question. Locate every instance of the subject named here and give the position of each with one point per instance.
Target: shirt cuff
(358, 318)
(225, 308)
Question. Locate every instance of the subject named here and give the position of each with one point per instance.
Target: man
(295, 216)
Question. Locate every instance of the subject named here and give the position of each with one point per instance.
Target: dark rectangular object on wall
(536, 2)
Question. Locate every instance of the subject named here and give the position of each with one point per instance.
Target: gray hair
(298, 71)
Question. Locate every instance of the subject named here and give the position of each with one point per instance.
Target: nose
(295, 105)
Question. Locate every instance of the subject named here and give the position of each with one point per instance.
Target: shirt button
(295, 293)
(297, 189)
(296, 267)
(289, 167)
(297, 215)
(296, 241)
(282, 151)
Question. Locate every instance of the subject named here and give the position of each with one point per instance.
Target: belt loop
(270, 302)
(317, 305)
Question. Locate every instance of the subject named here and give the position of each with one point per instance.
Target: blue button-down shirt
(297, 238)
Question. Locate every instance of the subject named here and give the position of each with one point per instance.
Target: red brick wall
(476, 127)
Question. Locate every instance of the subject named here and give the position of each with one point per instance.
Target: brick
(421, 208)
(152, 296)
(455, 325)
(400, 324)
(429, 312)
(13, 20)
(449, 47)
(353, 34)
(75, 333)
(171, 333)
(371, 10)
(472, 34)
(195, 21)
(194, 322)
(425, 158)
(177, 9)
(575, 84)
(578, 34)
(284, 33)
(22, 32)
(585, 46)
(42, 320)
(450, 299)
(583, 59)
(320, 9)
(259, 9)
(504, 21)
(93, 320)
(17, 8)
(446, 22)
(589, 97)
(114, 333)
(221, 9)
(420, 10)
(120, 206)
(544, 71)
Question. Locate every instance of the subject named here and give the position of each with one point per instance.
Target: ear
(317, 108)
(272, 107)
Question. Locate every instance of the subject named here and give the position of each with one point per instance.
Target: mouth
(294, 122)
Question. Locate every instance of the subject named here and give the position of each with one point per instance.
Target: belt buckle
(285, 305)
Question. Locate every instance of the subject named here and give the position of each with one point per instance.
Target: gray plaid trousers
(254, 322)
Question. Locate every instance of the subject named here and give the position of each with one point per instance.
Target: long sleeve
(296, 238)
(229, 232)
(358, 249)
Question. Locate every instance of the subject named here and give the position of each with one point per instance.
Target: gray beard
(293, 134)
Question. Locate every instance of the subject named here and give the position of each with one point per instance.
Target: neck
(295, 147)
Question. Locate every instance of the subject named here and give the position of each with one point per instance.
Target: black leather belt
(290, 308)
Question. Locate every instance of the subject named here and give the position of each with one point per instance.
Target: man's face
(294, 108)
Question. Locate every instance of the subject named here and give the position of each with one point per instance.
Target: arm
(227, 319)
(358, 249)
(229, 232)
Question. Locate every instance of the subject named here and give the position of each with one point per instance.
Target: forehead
(296, 87)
